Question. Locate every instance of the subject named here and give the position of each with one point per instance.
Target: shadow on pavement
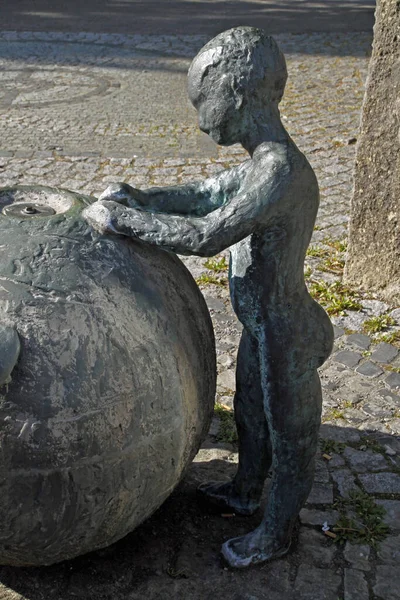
(185, 16)
(175, 553)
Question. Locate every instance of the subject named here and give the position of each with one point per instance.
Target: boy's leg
(293, 409)
(242, 494)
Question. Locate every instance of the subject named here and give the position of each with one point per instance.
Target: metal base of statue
(107, 378)
(264, 210)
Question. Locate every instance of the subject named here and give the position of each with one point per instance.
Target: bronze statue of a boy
(264, 210)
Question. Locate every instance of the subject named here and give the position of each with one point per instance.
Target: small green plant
(390, 338)
(338, 245)
(376, 324)
(333, 414)
(332, 264)
(367, 442)
(391, 368)
(345, 404)
(367, 527)
(227, 427)
(307, 272)
(209, 279)
(332, 447)
(335, 297)
(217, 265)
(317, 252)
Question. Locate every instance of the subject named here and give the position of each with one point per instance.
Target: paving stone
(225, 360)
(320, 494)
(381, 483)
(348, 358)
(358, 555)
(392, 516)
(227, 379)
(387, 582)
(395, 314)
(384, 353)
(376, 410)
(215, 303)
(393, 381)
(389, 550)
(321, 472)
(345, 481)
(365, 461)
(310, 516)
(369, 369)
(355, 585)
(315, 548)
(338, 434)
(360, 340)
(316, 584)
(336, 461)
(354, 416)
(338, 332)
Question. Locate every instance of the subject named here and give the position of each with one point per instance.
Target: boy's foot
(224, 496)
(251, 549)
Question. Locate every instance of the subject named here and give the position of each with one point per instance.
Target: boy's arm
(246, 213)
(196, 198)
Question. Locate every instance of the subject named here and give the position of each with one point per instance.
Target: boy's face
(218, 108)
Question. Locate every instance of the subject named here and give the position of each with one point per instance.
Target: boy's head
(239, 71)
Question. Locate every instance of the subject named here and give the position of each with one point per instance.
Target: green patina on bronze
(264, 210)
(107, 378)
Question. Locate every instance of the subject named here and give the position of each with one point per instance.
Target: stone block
(393, 381)
(358, 555)
(320, 494)
(345, 481)
(387, 582)
(392, 516)
(310, 516)
(355, 585)
(381, 483)
(369, 369)
(389, 550)
(384, 353)
(363, 462)
(360, 340)
(316, 584)
(348, 358)
(373, 260)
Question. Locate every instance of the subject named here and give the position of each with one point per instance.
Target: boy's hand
(124, 194)
(114, 217)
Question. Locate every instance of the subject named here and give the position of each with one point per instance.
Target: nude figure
(263, 210)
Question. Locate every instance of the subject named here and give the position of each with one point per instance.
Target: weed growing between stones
(390, 338)
(335, 297)
(227, 427)
(209, 279)
(338, 245)
(379, 323)
(332, 415)
(317, 252)
(217, 265)
(307, 272)
(331, 447)
(369, 443)
(333, 264)
(364, 524)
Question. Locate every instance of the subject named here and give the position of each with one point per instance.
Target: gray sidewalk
(82, 110)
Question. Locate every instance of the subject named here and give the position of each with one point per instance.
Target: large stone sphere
(113, 390)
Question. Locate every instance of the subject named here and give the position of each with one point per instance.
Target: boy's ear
(238, 100)
(237, 92)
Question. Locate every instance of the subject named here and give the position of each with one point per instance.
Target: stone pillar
(373, 261)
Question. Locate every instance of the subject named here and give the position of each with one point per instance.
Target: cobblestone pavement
(80, 111)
